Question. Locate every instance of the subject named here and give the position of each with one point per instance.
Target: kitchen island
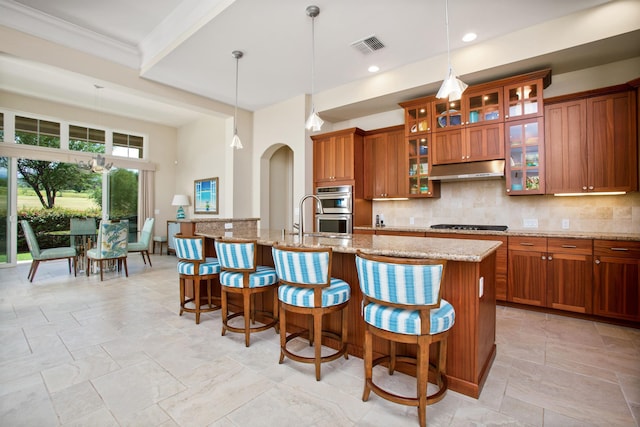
(468, 284)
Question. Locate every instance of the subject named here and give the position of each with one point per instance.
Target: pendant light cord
(446, 23)
(313, 56)
(235, 113)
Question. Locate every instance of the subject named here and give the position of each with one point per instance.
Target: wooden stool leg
(344, 336)
(223, 302)
(422, 380)
(368, 363)
(317, 328)
(196, 300)
(246, 303)
(182, 280)
(283, 331)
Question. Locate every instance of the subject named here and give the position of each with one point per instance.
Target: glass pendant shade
(314, 122)
(452, 87)
(235, 142)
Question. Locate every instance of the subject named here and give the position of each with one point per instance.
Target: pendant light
(235, 141)
(452, 87)
(314, 122)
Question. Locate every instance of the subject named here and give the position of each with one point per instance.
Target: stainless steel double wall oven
(337, 206)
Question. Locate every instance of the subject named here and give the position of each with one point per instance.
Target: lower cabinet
(551, 272)
(616, 275)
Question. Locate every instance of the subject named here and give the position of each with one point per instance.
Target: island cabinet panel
(471, 345)
(501, 258)
(616, 272)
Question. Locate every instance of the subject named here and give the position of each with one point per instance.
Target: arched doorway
(280, 201)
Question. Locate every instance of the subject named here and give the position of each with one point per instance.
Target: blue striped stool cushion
(399, 283)
(235, 255)
(335, 294)
(212, 266)
(302, 267)
(263, 276)
(189, 248)
(408, 321)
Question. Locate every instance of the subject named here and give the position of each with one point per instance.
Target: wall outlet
(565, 224)
(530, 223)
(411, 220)
(228, 225)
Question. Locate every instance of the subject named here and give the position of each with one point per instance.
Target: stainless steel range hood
(490, 169)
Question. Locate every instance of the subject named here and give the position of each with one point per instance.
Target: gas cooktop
(469, 227)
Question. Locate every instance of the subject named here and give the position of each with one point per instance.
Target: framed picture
(205, 193)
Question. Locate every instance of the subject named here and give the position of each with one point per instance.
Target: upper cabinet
(483, 106)
(591, 143)
(417, 116)
(385, 163)
(523, 99)
(337, 157)
(525, 156)
(447, 114)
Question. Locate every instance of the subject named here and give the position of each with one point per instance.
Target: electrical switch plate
(228, 234)
(530, 223)
(481, 287)
(565, 224)
(228, 225)
(411, 221)
(156, 211)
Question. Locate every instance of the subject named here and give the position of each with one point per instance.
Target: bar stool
(401, 303)
(193, 266)
(241, 275)
(306, 287)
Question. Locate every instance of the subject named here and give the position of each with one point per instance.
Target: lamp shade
(180, 200)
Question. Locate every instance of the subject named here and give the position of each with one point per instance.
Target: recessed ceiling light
(374, 69)
(469, 37)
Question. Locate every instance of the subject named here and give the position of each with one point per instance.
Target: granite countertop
(401, 246)
(565, 234)
(217, 219)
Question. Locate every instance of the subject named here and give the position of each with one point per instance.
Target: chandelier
(96, 164)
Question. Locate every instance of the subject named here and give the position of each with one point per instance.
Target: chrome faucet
(301, 213)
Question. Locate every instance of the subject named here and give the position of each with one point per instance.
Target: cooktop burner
(469, 227)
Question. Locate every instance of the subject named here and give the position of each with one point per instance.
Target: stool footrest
(303, 359)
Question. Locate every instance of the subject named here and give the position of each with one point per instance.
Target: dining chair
(241, 275)
(402, 303)
(41, 255)
(307, 288)
(195, 267)
(142, 245)
(111, 246)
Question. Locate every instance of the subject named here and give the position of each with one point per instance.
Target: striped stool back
(235, 255)
(190, 248)
(310, 267)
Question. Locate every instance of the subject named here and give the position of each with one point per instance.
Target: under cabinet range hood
(489, 169)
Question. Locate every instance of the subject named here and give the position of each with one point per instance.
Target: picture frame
(205, 196)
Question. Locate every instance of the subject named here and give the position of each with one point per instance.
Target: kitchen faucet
(301, 213)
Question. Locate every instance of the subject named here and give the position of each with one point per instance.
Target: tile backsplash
(485, 202)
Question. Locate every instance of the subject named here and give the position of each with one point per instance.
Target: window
(127, 145)
(1, 127)
(86, 139)
(37, 132)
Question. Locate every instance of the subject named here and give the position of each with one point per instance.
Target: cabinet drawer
(530, 244)
(616, 248)
(573, 246)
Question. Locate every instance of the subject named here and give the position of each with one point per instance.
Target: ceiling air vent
(368, 45)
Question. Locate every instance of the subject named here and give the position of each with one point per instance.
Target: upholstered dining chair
(241, 275)
(402, 303)
(40, 255)
(195, 267)
(307, 288)
(110, 246)
(142, 245)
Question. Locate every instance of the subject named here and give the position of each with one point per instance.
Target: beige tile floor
(80, 352)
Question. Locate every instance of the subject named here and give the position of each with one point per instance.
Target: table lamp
(180, 200)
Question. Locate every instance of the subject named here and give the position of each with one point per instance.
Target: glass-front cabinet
(418, 156)
(483, 106)
(447, 114)
(417, 118)
(525, 156)
(523, 100)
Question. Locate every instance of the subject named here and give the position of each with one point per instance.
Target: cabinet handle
(591, 187)
(597, 261)
(526, 244)
(620, 249)
(584, 188)
(506, 116)
(550, 258)
(508, 190)
(569, 246)
(544, 257)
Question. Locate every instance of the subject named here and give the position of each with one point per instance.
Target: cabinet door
(525, 156)
(485, 142)
(322, 166)
(419, 151)
(523, 100)
(417, 118)
(566, 151)
(396, 165)
(616, 272)
(527, 275)
(569, 275)
(342, 156)
(483, 107)
(611, 133)
(375, 153)
(448, 147)
(446, 114)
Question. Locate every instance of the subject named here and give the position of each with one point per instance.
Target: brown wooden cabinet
(483, 106)
(551, 272)
(524, 148)
(616, 272)
(472, 144)
(336, 156)
(417, 116)
(385, 163)
(591, 144)
(523, 99)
